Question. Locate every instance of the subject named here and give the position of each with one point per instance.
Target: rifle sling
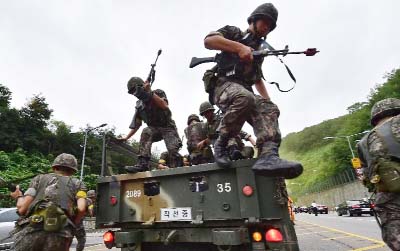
(287, 69)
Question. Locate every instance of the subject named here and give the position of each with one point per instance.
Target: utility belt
(50, 219)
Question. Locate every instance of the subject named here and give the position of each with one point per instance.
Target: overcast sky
(80, 54)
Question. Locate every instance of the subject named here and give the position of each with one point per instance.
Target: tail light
(247, 190)
(273, 235)
(257, 236)
(355, 206)
(113, 200)
(109, 239)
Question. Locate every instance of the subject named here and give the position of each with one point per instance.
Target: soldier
(379, 152)
(152, 108)
(79, 232)
(91, 194)
(196, 132)
(165, 161)
(234, 95)
(236, 148)
(50, 208)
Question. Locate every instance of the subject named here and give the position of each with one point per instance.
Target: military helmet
(384, 108)
(160, 93)
(266, 10)
(205, 106)
(66, 160)
(193, 117)
(91, 194)
(133, 82)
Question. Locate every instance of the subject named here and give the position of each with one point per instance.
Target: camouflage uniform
(195, 133)
(375, 155)
(270, 113)
(234, 142)
(166, 160)
(160, 127)
(46, 189)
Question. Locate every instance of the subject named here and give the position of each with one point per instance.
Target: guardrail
(346, 176)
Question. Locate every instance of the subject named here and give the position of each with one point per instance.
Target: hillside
(324, 158)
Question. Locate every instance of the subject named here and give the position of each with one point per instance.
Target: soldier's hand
(122, 139)
(17, 193)
(201, 145)
(147, 86)
(246, 53)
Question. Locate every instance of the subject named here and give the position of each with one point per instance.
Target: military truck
(201, 207)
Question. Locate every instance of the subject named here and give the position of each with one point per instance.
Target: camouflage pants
(389, 215)
(240, 105)
(80, 235)
(270, 113)
(39, 240)
(154, 134)
(202, 157)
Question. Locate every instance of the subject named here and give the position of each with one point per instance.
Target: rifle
(152, 74)
(229, 64)
(221, 58)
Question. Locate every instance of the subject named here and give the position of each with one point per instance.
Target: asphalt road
(325, 232)
(330, 232)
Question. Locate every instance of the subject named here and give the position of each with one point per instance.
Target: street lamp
(84, 145)
(348, 140)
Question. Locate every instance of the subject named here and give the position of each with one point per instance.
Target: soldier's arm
(262, 90)
(159, 102)
(23, 202)
(81, 202)
(81, 210)
(134, 126)
(155, 99)
(216, 41)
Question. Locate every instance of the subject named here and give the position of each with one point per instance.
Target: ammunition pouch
(387, 178)
(210, 81)
(52, 219)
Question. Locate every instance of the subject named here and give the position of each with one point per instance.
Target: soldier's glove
(143, 95)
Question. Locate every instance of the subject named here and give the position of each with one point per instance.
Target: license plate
(365, 209)
(176, 214)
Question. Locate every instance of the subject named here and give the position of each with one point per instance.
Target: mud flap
(123, 239)
(227, 237)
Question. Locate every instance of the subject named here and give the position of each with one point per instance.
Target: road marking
(334, 238)
(96, 247)
(313, 232)
(377, 244)
(369, 247)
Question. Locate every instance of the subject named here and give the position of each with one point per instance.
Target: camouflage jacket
(195, 133)
(57, 189)
(151, 115)
(253, 72)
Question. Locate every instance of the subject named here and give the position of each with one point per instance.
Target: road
(330, 232)
(327, 232)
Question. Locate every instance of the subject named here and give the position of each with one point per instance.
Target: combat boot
(221, 155)
(141, 166)
(234, 152)
(269, 163)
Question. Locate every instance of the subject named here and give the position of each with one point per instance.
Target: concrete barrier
(336, 195)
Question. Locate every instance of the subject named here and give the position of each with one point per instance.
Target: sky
(80, 54)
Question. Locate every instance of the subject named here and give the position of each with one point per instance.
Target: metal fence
(344, 177)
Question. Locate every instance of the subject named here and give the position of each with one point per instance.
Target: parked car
(8, 217)
(322, 209)
(303, 209)
(354, 207)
